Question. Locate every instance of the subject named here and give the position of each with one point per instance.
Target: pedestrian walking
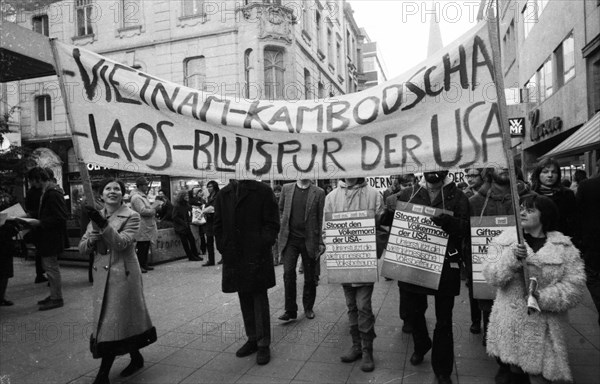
(181, 215)
(535, 344)
(148, 231)
(121, 321)
(354, 194)
(437, 190)
(51, 228)
(246, 226)
(301, 209)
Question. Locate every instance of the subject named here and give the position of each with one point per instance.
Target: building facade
(243, 49)
(374, 69)
(550, 77)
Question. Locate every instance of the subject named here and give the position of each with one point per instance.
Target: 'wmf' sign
(517, 126)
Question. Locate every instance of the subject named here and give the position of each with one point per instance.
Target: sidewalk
(200, 329)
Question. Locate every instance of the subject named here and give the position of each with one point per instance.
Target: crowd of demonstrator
(247, 222)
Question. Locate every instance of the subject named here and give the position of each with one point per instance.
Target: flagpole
(83, 171)
(493, 28)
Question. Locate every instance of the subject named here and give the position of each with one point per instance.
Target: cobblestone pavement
(200, 329)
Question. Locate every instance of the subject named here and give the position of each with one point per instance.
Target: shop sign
(517, 126)
(539, 130)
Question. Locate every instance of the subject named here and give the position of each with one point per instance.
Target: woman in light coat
(121, 321)
(534, 344)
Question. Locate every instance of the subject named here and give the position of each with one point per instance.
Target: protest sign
(483, 231)
(441, 114)
(351, 255)
(416, 247)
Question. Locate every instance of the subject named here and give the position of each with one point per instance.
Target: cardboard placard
(483, 230)
(416, 247)
(351, 255)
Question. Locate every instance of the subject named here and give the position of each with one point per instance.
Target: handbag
(197, 216)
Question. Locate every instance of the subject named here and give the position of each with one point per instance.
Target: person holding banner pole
(534, 344)
(437, 190)
(121, 321)
(355, 194)
(493, 198)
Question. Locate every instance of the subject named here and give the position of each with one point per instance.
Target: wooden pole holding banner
(83, 171)
(493, 28)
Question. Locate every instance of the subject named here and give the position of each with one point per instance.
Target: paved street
(200, 329)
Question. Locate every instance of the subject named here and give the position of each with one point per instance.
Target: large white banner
(442, 114)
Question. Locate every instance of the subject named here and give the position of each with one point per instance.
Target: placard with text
(351, 248)
(416, 247)
(483, 231)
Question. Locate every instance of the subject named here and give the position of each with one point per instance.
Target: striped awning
(586, 138)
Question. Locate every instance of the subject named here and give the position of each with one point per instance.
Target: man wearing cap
(148, 231)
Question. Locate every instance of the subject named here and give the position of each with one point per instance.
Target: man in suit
(301, 208)
(245, 225)
(587, 239)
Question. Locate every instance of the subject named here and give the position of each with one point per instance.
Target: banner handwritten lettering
(441, 114)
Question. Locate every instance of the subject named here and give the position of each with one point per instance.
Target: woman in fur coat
(534, 344)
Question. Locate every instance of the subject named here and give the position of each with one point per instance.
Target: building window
(338, 52)
(321, 90)
(40, 25)
(248, 72)
(84, 17)
(509, 51)
(274, 73)
(307, 84)
(318, 25)
(132, 13)
(195, 73)
(192, 8)
(568, 58)
(306, 17)
(330, 45)
(44, 107)
(531, 89)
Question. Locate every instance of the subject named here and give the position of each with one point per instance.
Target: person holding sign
(353, 195)
(246, 224)
(121, 320)
(436, 190)
(301, 209)
(534, 344)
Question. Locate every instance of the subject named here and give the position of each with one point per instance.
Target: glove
(448, 223)
(96, 217)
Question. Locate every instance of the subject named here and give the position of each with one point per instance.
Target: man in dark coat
(246, 224)
(301, 206)
(52, 232)
(436, 190)
(587, 238)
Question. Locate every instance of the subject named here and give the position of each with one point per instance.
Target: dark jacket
(210, 217)
(246, 226)
(53, 219)
(564, 199)
(455, 201)
(313, 218)
(588, 220)
(181, 215)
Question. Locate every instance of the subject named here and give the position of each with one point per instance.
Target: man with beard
(436, 190)
(475, 179)
(494, 199)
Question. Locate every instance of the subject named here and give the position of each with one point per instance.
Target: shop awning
(586, 138)
(24, 54)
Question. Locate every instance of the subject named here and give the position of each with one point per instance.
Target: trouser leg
(309, 293)
(290, 259)
(3, 285)
(593, 285)
(142, 249)
(442, 355)
(39, 268)
(366, 318)
(417, 305)
(50, 264)
(256, 315)
(210, 248)
(185, 243)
